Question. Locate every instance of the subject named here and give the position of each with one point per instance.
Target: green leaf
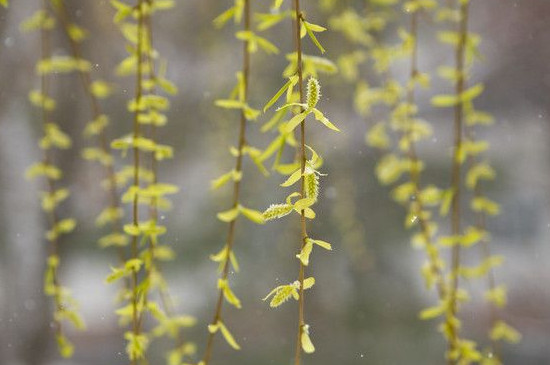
(303, 204)
(133, 265)
(228, 336)
(389, 169)
(65, 347)
(323, 244)
(444, 101)
(295, 121)
(275, 119)
(479, 171)
(225, 178)
(310, 28)
(291, 82)
(309, 213)
(293, 178)
(267, 46)
(39, 20)
(268, 20)
(113, 239)
(228, 293)
(229, 104)
(503, 332)
(432, 312)
(471, 93)
(115, 275)
(224, 17)
(377, 137)
(449, 37)
(483, 204)
(132, 230)
(276, 5)
(228, 215)
(123, 10)
(40, 100)
(254, 215)
(304, 254)
(446, 200)
(321, 118)
(472, 235)
(497, 296)
(42, 169)
(62, 64)
(309, 282)
(136, 346)
(305, 340)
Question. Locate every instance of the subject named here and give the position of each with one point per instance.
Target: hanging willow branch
(239, 100)
(304, 170)
(53, 138)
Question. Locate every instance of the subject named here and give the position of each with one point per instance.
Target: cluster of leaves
(53, 139)
(395, 133)
(399, 163)
(302, 170)
(141, 269)
(468, 154)
(238, 100)
(96, 90)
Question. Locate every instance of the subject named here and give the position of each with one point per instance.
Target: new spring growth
(313, 93)
(311, 190)
(53, 138)
(310, 107)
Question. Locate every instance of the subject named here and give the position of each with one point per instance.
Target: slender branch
(47, 159)
(95, 107)
(236, 186)
(165, 298)
(415, 163)
(298, 46)
(147, 28)
(456, 170)
(485, 251)
(136, 158)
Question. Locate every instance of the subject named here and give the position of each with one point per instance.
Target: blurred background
(364, 307)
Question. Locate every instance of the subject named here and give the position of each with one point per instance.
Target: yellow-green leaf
(503, 332)
(228, 336)
(304, 254)
(321, 118)
(305, 340)
(254, 215)
(229, 215)
(293, 178)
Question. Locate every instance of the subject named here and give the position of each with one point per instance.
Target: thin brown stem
(47, 160)
(298, 45)
(136, 160)
(485, 253)
(456, 170)
(165, 298)
(415, 163)
(95, 107)
(147, 28)
(236, 186)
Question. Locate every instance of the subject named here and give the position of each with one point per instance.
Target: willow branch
(298, 49)
(456, 168)
(236, 186)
